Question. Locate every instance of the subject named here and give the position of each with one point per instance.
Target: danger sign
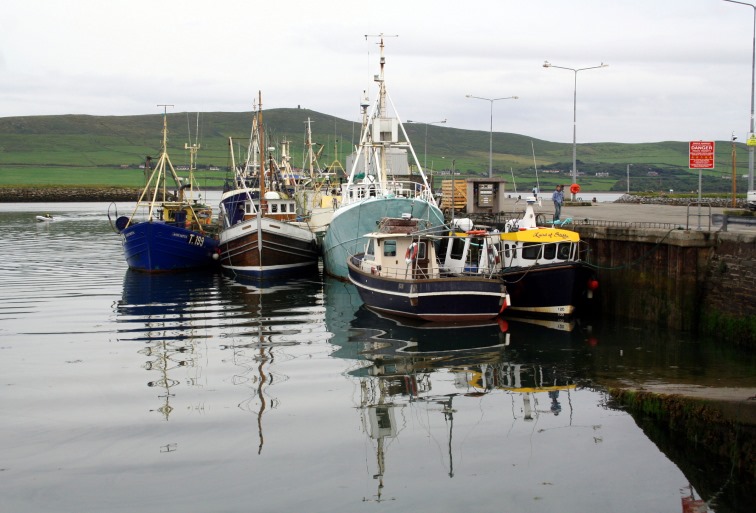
(701, 154)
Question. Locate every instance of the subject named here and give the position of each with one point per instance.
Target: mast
(310, 156)
(382, 112)
(261, 148)
(193, 148)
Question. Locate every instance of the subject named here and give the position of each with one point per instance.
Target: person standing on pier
(558, 197)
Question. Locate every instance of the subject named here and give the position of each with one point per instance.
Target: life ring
(411, 253)
(574, 188)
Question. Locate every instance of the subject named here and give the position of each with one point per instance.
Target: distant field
(107, 150)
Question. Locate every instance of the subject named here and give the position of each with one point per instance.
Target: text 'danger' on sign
(701, 155)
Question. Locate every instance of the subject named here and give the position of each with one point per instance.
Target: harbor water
(126, 392)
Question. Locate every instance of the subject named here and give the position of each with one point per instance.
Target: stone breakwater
(681, 202)
(67, 194)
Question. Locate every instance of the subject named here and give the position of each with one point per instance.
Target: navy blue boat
(416, 285)
(168, 230)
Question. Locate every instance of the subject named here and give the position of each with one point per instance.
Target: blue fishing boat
(379, 183)
(170, 229)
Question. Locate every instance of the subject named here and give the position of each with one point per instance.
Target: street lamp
(628, 178)
(753, 71)
(490, 138)
(547, 64)
(425, 150)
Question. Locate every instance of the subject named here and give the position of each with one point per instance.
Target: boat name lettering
(551, 235)
(196, 240)
(179, 235)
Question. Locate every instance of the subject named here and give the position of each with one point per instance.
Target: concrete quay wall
(686, 279)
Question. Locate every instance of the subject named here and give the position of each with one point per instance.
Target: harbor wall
(684, 279)
(67, 194)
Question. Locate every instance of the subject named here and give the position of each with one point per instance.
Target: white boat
(372, 190)
(314, 188)
(47, 218)
(260, 236)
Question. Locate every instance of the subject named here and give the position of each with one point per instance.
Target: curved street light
(547, 64)
(490, 138)
(425, 150)
(753, 73)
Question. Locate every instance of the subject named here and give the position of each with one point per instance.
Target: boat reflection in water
(175, 315)
(410, 371)
(164, 311)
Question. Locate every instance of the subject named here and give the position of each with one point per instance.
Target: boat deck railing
(409, 271)
(393, 189)
(624, 224)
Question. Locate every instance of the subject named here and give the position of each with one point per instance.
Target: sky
(678, 70)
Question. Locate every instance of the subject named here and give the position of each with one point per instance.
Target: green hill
(107, 150)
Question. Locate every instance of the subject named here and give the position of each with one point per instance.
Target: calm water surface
(127, 392)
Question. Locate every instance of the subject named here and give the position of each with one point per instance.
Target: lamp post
(490, 138)
(753, 72)
(547, 64)
(734, 171)
(425, 150)
(628, 178)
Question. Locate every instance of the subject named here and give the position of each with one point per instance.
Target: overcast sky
(678, 69)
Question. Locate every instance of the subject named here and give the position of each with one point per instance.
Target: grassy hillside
(107, 150)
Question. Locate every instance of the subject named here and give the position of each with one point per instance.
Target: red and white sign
(701, 155)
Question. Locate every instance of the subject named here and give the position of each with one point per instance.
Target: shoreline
(104, 193)
(75, 194)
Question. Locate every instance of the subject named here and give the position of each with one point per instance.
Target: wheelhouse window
(389, 248)
(564, 251)
(370, 250)
(531, 250)
(549, 251)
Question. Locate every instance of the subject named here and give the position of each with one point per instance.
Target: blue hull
(454, 299)
(159, 247)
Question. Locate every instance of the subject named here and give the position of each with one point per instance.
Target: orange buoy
(574, 188)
